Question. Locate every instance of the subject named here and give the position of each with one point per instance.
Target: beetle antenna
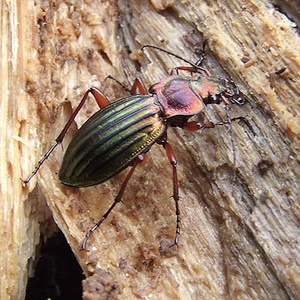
(202, 54)
(195, 65)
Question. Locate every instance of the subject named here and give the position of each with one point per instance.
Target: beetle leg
(173, 161)
(99, 97)
(194, 125)
(189, 69)
(183, 68)
(102, 102)
(118, 199)
(118, 82)
(138, 87)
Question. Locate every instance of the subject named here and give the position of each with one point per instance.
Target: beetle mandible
(122, 132)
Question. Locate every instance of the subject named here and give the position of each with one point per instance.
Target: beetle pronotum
(120, 133)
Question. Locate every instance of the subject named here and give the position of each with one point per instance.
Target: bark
(239, 222)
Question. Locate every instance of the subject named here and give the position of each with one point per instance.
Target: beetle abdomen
(111, 140)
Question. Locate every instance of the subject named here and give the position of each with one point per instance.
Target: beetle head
(232, 93)
(217, 91)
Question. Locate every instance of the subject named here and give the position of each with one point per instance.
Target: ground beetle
(120, 133)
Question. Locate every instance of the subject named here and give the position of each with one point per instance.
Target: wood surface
(239, 234)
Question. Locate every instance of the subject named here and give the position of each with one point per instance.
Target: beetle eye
(234, 95)
(213, 99)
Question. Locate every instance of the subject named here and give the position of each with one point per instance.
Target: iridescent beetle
(120, 133)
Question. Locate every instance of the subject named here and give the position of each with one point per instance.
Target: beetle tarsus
(102, 102)
(173, 161)
(40, 162)
(116, 201)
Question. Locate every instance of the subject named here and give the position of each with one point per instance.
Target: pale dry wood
(19, 217)
(239, 239)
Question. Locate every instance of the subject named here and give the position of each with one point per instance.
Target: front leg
(194, 125)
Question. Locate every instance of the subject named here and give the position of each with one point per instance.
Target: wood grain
(240, 238)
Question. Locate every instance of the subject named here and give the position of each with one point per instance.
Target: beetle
(122, 132)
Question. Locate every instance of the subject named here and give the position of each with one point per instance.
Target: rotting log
(240, 238)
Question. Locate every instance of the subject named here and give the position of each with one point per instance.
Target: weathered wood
(240, 239)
